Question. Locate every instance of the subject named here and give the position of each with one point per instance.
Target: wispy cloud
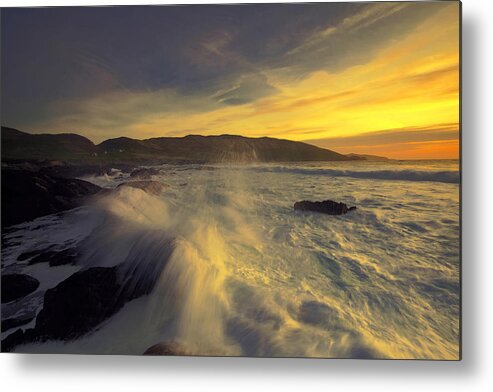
(322, 71)
(436, 132)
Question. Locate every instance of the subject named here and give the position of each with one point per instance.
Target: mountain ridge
(71, 147)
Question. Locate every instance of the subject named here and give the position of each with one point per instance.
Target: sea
(241, 273)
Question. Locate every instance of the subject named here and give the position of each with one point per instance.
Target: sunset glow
(404, 88)
(257, 180)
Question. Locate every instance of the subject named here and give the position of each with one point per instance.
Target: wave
(228, 270)
(447, 176)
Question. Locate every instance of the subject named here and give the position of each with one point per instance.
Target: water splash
(238, 272)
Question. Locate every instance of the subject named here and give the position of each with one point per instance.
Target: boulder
(72, 171)
(32, 253)
(80, 303)
(144, 173)
(155, 188)
(27, 195)
(16, 322)
(13, 340)
(15, 286)
(326, 207)
(54, 258)
(166, 348)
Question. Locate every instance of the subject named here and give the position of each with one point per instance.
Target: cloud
(419, 134)
(248, 89)
(81, 52)
(427, 142)
(285, 70)
(355, 39)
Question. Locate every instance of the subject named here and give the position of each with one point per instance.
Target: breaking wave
(235, 271)
(452, 177)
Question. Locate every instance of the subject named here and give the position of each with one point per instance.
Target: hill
(17, 145)
(223, 148)
(367, 157)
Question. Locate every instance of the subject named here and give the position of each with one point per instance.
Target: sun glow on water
(241, 273)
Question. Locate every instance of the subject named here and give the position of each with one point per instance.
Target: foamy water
(242, 273)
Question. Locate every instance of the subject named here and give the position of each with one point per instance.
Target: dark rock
(14, 339)
(152, 187)
(79, 303)
(326, 207)
(28, 195)
(72, 171)
(144, 173)
(15, 322)
(64, 257)
(166, 348)
(16, 286)
(30, 254)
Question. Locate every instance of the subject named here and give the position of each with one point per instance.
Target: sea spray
(240, 273)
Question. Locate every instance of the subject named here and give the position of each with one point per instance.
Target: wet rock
(326, 207)
(73, 171)
(16, 286)
(166, 348)
(152, 187)
(55, 258)
(144, 173)
(79, 303)
(15, 322)
(32, 253)
(28, 195)
(13, 340)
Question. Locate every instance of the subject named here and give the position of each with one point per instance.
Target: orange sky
(402, 101)
(412, 83)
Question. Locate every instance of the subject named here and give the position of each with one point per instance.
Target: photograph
(273, 180)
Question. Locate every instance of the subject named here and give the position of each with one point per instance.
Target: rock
(73, 171)
(326, 207)
(15, 286)
(144, 173)
(79, 303)
(28, 195)
(32, 253)
(166, 348)
(55, 258)
(14, 339)
(153, 187)
(15, 322)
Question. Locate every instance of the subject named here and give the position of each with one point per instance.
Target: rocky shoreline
(27, 194)
(80, 303)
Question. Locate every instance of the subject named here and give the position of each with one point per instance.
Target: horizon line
(234, 135)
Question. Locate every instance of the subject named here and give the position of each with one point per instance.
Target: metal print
(263, 180)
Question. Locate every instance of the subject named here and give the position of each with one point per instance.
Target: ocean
(240, 272)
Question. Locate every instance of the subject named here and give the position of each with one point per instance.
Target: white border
(34, 373)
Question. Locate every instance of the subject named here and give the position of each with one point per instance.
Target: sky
(369, 78)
